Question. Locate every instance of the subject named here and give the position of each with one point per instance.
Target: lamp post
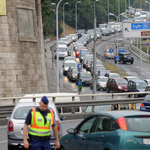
(129, 8)
(148, 3)
(125, 5)
(108, 9)
(119, 9)
(64, 18)
(76, 13)
(111, 14)
(57, 45)
(94, 7)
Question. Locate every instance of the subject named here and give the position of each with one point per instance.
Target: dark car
(110, 130)
(106, 32)
(116, 85)
(87, 65)
(136, 86)
(80, 32)
(82, 55)
(84, 77)
(72, 75)
(125, 57)
(145, 105)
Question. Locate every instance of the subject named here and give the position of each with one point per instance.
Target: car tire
(115, 62)
(107, 90)
(11, 147)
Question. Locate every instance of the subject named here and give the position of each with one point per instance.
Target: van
(63, 97)
(136, 86)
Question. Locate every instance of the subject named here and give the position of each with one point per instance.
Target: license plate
(146, 141)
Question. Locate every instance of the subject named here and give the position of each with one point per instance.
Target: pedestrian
(40, 120)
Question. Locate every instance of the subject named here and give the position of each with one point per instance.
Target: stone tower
(22, 58)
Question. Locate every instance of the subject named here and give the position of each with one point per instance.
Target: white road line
(3, 141)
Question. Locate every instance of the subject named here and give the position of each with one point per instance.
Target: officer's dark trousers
(40, 144)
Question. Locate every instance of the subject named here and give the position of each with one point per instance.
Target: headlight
(82, 80)
(65, 69)
(119, 87)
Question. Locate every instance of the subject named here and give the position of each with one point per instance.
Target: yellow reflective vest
(37, 126)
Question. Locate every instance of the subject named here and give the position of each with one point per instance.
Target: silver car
(101, 83)
(108, 54)
(16, 123)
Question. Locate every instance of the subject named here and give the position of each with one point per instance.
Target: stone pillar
(22, 56)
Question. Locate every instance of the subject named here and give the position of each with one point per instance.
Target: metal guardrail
(136, 51)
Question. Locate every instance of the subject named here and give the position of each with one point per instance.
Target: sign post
(147, 44)
(79, 82)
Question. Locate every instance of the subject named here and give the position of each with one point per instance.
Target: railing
(136, 51)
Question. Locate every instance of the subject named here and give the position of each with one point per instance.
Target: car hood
(122, 85)
(86, 79)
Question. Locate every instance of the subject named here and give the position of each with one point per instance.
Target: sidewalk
(52, 71)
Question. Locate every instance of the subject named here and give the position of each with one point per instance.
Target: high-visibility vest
(38, 126)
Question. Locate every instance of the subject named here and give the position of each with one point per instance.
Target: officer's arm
(25, 131)
(55, 130)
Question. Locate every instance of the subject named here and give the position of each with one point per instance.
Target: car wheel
(107, 90)
(11, 147)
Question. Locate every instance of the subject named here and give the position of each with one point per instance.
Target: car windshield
(85, 75)
(68, 58)
(138, 123)
(75, 71)
(102, 80)
(121, 82)
(141, 85)
(114, 76)
(120, 41)
(63, 49)
(147, 97)
(98, 108)
(70, 64)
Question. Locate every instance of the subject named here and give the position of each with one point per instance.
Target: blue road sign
(147, 44)
(117, 58)
(140, 26)
(79, 82)
(110, 50)
(79, 66)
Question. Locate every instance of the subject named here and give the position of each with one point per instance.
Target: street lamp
(76, 13)
(57, 45)
(111, 14)
(108, 9)
(119, 8)
(94, 7)
(64, 18)
(148, 3)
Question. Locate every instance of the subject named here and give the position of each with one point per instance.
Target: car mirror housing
(71, 131)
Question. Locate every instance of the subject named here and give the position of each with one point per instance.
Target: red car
(116, 85)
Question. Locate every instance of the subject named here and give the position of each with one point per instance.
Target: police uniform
(39, 131)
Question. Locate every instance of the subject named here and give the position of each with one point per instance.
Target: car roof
(125, 53)
(138, 81)
(122, 113)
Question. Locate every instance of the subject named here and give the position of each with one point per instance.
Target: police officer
(40, 120)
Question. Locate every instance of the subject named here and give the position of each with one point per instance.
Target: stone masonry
(22, 56)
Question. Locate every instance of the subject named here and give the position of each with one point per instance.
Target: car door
(103, 134)
(79, 140)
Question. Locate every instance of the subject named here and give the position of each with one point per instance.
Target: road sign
(79, 82)
(147, 44)
(79, 88)
(136, 30)
(117, 58)
(147, 40)
(79, 66)
(110, 50)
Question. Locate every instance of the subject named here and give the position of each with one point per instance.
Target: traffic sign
(79, 88)
(136, 30)
(147, 40)
(110, 50)
(147, 44)
(79, 82)
(117, 58)
(79, 66)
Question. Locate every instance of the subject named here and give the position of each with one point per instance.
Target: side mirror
(63, 118)
(72, 131)
(7, 118)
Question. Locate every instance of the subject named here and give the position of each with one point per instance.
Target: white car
(101, 83)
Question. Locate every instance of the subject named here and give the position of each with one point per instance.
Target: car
(116, 85)
(82, 55)
(145, 104)
(70, 70)
(112, 75)
(106, 32)
(108, 54)
(109, 130)
(98, 68)
(102, 73)
(84, 77)
(121, 50)
(147, 88)
(130, 78)
(86, 58)
(119, 42)
(125, 58)
(101, 83)
(80, 32)
(136, 86)
(147, 81)
(102, 26)
(17, 119)
(112, 30)
(67, 64)
(87, 65)
(72, 76)
(68, 58)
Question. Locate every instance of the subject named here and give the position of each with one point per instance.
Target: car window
(141, 123)
(87, 125)
(141, 85)
(121, 82)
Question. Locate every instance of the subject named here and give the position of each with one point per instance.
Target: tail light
(58, 125)
(122, 123)
(125, 50)
(142, 105)
(114, 54)
(105, 54)
(10, 126)
(122, 41)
